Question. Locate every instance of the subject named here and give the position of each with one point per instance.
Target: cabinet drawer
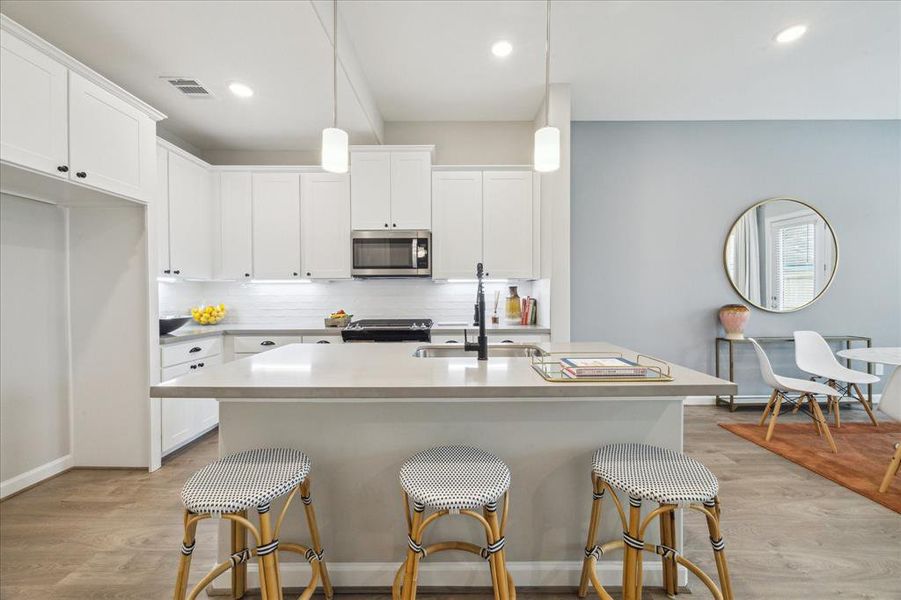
(189, 367)
(252, 344)
(174, 354)
(517, 338)
(323, 339)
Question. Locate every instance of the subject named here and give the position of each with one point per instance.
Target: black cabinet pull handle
(81, 174)
(62, 169)
(195, 349)
(267, 343)
(506, 341)
(199, 364)
(451, 342)
(167, 271)
(193, 366)
(176, 271)
(323, 342)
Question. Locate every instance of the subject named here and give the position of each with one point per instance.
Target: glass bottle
(513, 307)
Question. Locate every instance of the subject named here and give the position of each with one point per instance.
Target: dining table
(890, 403)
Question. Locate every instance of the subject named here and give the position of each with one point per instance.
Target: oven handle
(415, 262)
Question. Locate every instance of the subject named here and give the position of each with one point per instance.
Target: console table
(730, 344)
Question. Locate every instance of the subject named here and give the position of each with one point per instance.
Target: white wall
(34, 369)
(298, 303)
(468, 143)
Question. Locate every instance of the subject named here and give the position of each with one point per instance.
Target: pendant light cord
(335, 63)
(547, 66)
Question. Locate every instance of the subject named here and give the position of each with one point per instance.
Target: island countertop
(390, 371)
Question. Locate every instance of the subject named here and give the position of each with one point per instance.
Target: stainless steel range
(388, 330)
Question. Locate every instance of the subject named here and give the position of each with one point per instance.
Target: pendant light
(334, 140)
(547, 139)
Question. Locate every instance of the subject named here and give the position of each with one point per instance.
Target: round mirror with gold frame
(781, 255)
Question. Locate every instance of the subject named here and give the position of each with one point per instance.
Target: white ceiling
(418, 60)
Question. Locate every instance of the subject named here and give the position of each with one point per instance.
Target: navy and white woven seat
(454, 478)
(243, 480)
(653, 473)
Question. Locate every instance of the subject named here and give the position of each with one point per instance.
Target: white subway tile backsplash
(284, 303)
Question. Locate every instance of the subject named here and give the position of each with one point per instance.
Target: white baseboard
(452, 574)
(35, 475)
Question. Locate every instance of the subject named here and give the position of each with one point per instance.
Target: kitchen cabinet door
(190, 218)
(177, 416)
(236, 226)
(370, 190)
(205, 411)
(325, 226)
(276, 226)
(112, 144)
(411, 190)
(161, 210)
(33, 108)
(457, 230)
(507, 224)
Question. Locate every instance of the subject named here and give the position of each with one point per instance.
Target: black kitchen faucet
(481, 346)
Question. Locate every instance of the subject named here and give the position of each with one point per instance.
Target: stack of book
(601, 367)
(529, 312)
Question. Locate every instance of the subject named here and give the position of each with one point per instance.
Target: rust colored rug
(863, 455)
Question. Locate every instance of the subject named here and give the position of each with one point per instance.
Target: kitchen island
(358, 410)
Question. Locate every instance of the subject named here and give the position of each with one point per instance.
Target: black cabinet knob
(386, 224)
(81, 174)
(167, 271)
(199, 364)
(308, 274)
(176, 271)
(295, 274)
(193, 366)
(394, 224)
(62, 169)
(246, 274)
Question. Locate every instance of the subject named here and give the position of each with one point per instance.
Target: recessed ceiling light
(502, 48)
(791, 34)
(240, 90)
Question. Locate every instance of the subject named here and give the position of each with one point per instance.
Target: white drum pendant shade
(547, 149)
(334, 150)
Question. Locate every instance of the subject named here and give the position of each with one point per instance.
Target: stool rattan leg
(719, 548)
(411, 565)
(184, 563)
(307, 500)
(266, 553)
(597, 498)
(668, 539)
(630, 563)
(496, 559)
(239, 544)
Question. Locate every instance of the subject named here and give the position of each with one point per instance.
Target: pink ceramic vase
(734, 317)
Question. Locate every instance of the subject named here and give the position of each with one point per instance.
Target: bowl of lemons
(210, 314)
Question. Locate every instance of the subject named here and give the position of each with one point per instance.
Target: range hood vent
(189, 87)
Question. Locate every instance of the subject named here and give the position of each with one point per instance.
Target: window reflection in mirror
(781, 254)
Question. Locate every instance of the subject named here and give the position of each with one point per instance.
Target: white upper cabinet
(161, 209)
(325, 226)
(507, 224)
(411, 190)
(236, 226)
(112, 144)
(190, 218)
(370, 193)
(276, 226)
(457, 229)
(391, 189)
(33, 108)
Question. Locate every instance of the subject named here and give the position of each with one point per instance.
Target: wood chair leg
(892, 469)
(769, 407)
(184, 563)
(307, 500)
(866, 405)
(266, 554)
(630, 558)
(668, 539)
(593, 524)
(239, 543)
(818, 427)
(818, 414)
(719, 552)
(497, 560)
(776, 407)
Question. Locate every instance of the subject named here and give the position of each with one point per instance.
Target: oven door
(391, 254)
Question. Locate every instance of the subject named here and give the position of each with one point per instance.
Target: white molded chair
(813, 355)
(785, 385)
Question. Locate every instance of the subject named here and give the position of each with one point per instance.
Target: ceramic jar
(734, 317)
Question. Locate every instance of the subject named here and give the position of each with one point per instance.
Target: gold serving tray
(548, 366)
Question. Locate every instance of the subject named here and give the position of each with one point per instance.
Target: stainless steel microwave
(392, 253)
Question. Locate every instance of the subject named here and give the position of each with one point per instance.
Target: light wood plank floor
(790, 534)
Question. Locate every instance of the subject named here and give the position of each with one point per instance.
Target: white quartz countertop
(189, 332)
(390, 371)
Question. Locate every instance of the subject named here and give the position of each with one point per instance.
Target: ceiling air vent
(189, 87)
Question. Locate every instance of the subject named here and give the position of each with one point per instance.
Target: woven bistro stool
(228, 488)
(454, 480)
(671, 479)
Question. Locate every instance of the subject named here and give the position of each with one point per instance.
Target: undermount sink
(497, 350)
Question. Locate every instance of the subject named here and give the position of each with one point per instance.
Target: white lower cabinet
(185, 419)
(323, 339)
(493, 338)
